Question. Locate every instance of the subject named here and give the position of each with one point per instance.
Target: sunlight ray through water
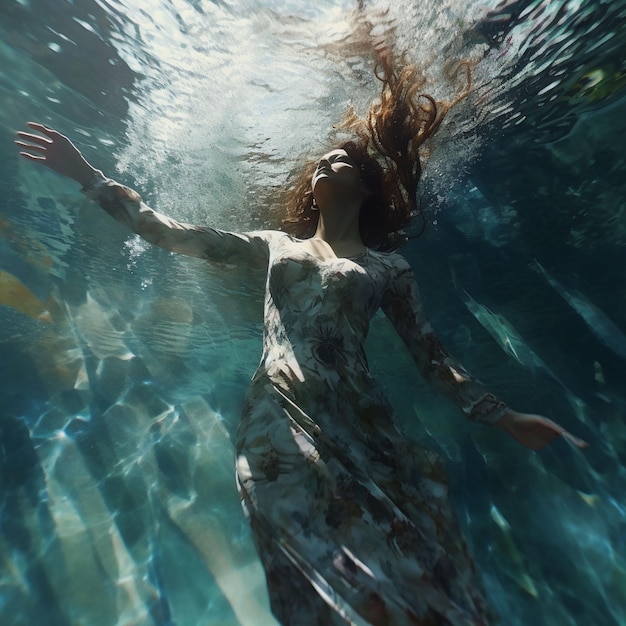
(123, 367)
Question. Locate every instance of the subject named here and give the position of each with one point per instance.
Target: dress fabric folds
(350, 517)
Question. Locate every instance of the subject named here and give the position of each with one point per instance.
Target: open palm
(56, 151)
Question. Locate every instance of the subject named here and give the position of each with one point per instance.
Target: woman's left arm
(402, 304)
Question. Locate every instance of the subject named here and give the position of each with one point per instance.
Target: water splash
(118, 500)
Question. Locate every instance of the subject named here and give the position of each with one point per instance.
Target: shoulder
(264, 232)
(400, 280)
(267, 235)
(393, 262)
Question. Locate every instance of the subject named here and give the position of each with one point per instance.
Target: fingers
(43, 129)
(37, 142)
(32, 157)
(559, 430)
(34, 143)
(543, 430)
(35, 138)
(29, 146)
(32, 147)
(580, 443)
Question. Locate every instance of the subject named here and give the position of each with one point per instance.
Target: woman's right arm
(57, 152)
(211, 244)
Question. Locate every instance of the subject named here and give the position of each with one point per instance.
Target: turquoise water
(122, 367)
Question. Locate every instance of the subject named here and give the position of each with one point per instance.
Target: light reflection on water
(123, 366)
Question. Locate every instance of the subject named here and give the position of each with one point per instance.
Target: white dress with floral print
(351, 518)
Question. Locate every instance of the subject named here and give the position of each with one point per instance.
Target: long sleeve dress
(351, 519)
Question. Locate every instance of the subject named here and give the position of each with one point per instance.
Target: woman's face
(337, 170)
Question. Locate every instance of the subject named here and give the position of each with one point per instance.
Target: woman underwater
(351, 519)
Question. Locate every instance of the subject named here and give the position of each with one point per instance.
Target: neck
(339, 225)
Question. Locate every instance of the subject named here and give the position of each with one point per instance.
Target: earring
(314, 206)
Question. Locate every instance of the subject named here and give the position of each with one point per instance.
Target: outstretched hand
(535, 431)
(56, 151)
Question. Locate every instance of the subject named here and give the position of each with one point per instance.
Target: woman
(350, 518)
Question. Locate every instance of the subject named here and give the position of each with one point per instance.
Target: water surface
(123, 367)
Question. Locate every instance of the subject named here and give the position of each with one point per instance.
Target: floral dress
(351, 519)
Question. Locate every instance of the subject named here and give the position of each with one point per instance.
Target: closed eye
(336, 157)
(340, 158)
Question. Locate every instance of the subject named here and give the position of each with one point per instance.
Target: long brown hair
(388, 146)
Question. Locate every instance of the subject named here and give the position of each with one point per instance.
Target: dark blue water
(122, 367)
